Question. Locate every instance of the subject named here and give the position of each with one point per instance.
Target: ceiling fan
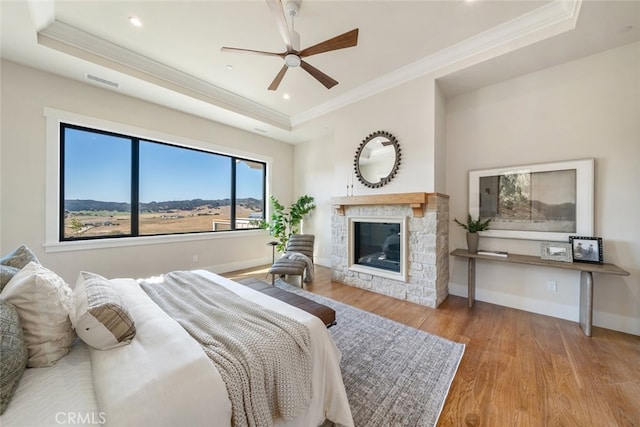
(292, 56)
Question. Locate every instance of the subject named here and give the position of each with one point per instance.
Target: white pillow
(43, 301)
(100, 318)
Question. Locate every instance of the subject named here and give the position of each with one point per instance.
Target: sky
(98, 167)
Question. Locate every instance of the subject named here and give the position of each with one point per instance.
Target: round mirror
(377, 159)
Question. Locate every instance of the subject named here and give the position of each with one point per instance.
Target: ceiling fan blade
(276, 82)
(277, 11)
(250, 51)
(348, 39)
(327, 81)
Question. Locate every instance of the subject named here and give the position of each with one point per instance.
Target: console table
(586, 277)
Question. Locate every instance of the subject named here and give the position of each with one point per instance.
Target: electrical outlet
(552, 286)
(195, 258)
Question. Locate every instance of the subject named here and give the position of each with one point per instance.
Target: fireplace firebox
(378, 246)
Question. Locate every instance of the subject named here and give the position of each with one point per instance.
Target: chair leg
(273, 279)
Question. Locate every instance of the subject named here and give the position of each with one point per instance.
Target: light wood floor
(519, 368)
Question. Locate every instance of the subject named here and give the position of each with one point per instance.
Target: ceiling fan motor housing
(292, 60)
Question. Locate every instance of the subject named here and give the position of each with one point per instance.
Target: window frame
(54, 207)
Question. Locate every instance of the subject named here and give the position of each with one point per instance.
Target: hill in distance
(187, 205)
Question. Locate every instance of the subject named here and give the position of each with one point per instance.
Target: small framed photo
(556, 251)
(586, 249)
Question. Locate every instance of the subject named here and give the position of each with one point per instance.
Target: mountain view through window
(118, 186)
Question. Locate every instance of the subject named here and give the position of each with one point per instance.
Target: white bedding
(58, 395)
(163, 378)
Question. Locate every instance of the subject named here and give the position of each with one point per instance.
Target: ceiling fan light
(292, 60)
(135, 21)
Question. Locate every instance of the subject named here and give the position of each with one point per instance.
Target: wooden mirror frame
(356, 162)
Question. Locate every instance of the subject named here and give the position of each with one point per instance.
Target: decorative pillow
(6, 273)
(12, 263)
(13, 353)
(19, 258)
(43, 301)
(100, 318)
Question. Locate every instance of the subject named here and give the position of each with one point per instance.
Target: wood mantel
(417, 201)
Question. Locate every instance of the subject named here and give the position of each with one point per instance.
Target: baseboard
(611, 321)
(548, 308)
(626, 324)
(240, 265)
(325, 262)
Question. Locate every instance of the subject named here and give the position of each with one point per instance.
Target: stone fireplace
(402, 249)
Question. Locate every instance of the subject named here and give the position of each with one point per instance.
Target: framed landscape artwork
(556, 251)
(550, 201)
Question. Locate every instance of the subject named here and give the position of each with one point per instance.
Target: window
(115, 185)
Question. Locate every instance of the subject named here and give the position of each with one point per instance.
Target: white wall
(584, 108)
(25, 94)
(324, 166)
(440, 141)
(589, 108)
(316, 174)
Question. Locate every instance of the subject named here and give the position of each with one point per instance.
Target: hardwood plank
(519, 368)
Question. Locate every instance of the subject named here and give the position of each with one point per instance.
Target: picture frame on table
(546, 201)
(586, 249)
(556, 251)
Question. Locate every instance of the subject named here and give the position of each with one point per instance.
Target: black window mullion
(233, 193)
(61, 174)
(135, 186)
(265, 203)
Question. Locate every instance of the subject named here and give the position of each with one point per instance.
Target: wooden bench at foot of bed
(324, 313)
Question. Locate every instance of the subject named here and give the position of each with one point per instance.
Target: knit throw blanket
(263, 357)
(296, 256)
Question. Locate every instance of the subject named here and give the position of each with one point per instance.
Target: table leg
(471, 282)
(273, 257)
(586, 301)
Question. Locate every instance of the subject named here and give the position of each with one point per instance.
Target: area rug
(395, 375)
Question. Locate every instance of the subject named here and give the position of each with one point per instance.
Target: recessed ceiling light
(229, 67)
(135, 21)
(286, 96)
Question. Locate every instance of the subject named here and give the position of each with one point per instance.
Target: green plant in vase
(285, 222)
(473, 226)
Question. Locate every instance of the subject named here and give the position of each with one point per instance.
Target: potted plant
(284, 222)
(473, 226)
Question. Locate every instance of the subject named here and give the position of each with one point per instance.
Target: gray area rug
(395, 375)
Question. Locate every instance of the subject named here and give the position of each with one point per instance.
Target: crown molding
(546, 21)
(71, 40)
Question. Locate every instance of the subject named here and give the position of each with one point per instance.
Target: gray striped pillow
(100, 318)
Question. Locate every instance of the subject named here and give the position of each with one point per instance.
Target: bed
(162, 377)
